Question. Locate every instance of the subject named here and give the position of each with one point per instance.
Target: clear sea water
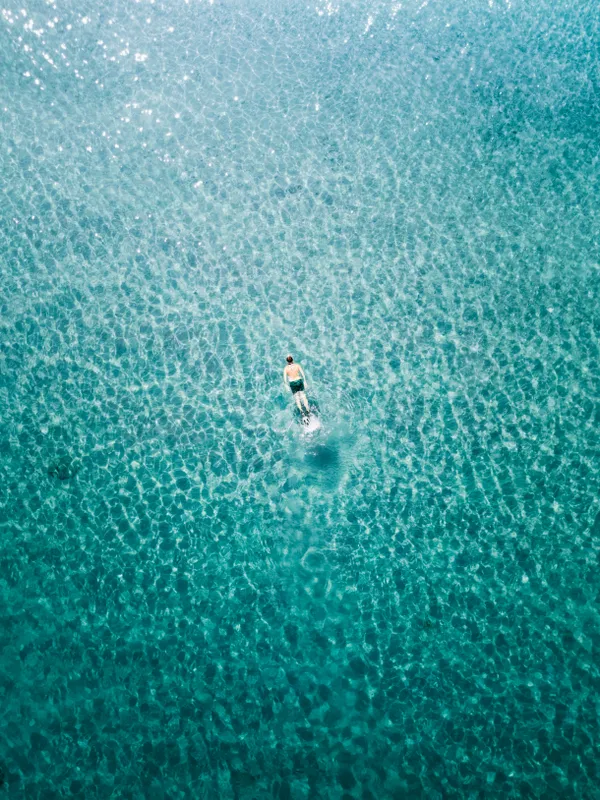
(199, 601)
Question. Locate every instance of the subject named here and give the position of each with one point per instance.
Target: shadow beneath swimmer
(324, 463)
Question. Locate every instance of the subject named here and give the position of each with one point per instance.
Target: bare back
(293, 372)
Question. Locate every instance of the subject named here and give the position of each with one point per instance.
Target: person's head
(289, 359)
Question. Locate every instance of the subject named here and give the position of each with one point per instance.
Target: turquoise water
(199, 601)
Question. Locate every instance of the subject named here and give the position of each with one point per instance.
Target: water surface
(198, 601)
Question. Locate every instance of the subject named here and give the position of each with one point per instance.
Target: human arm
(285, 377)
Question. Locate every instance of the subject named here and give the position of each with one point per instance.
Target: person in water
(296, 377)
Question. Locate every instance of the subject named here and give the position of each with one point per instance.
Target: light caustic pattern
(198, 601)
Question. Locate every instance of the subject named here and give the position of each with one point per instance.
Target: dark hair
(289, 359)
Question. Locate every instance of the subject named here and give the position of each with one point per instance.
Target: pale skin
(294, 372)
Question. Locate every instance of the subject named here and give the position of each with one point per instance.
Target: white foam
(312, 425)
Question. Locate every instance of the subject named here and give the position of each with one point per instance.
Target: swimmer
(296, 377)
